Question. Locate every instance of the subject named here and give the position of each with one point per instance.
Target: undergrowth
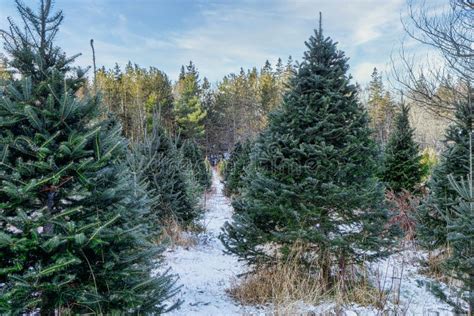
(287, 284)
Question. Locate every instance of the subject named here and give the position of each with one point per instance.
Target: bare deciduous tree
(450, 31)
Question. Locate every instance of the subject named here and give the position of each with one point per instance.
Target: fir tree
(460, 235)
(312, 173)
(166, 173)
(71, 235)
(453, 161)
(194, 158)
(402, 165)
(235, 168)
(230, 162)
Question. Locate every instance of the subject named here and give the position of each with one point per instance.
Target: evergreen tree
(235, 168)
(230, 162)
(195, 159)
(402, 159)
(269, 94)
(166, 173)
(381, 109)
(71, 235)
(5, 75)
(279, 68)
(312, 174)
(188, 111)
(453, 161)
(460, 235)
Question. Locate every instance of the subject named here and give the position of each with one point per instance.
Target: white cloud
(220, 37)
(250, 33)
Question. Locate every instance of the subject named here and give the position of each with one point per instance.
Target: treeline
(216, 117)
(134, 94)
(240, 104)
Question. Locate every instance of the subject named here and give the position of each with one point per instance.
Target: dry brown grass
(175, 235)
(280, 285)
(287, 284)
(361, 292)
(432, 267)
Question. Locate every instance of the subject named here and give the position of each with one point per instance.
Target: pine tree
(312, 174)
(71, 235)
(381, 109)
(402, 159)
(166, 173)
(188, 111)
(453, 161)
(269, 94)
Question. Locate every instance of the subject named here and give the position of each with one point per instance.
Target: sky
(222, 36)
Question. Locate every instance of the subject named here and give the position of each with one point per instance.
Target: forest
(287, 188)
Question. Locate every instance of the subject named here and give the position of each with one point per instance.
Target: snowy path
(204, 270)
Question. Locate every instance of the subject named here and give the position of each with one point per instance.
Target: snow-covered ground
(400, 275)
(205, 272)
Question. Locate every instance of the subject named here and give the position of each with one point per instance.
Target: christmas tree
(72, 239)
(402, 165)
(231, 161)
(195, 160)
(460, 234)
(235, 167)
(453, 161)
(166, 173)
(312, 174)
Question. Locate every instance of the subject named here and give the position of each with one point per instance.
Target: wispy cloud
(222, 36)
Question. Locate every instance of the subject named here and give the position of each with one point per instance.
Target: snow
(206, 272)
(400, 273)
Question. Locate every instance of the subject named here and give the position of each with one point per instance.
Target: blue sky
(222, 36)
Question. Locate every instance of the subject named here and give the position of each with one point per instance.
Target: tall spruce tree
(312, 174)
(71, 235)
(402, 159)
(453, 161)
